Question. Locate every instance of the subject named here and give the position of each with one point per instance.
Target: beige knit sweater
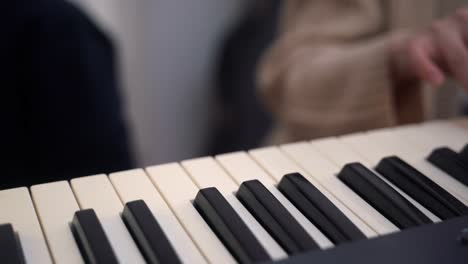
(327, 73)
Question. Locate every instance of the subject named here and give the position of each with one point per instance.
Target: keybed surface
(42, 215)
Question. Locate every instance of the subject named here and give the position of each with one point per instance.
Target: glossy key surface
(318, 209)
(229, 227)
(91, 238)
(385, 199)
(275, 218)
(10, 246)
(421, 188)
(148, 234)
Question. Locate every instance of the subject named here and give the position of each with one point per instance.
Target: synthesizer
(393, 195)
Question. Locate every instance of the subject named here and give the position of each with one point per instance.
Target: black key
(421, 188)
(10, 246)
(148, 234)
(318, 209)
(229, 227)
(464, 153)
(272, 215)
(450, 162)
(91, 239)
(381, 196)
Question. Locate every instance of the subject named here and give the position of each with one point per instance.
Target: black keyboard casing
(429, 244)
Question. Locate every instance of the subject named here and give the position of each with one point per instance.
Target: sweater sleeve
(327, 73)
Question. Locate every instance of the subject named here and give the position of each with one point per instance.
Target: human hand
(433, 54)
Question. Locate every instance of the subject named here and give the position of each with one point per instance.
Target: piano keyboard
(262, 205)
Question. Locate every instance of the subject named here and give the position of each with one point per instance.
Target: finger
(453, 50)
(423, 64)
(461, 18)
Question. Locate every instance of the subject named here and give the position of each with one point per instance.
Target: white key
(242, 168)
(323, 171)
(375, 146)
(56, 206)
(277, 164)
(429, 136)
(336, 152)
(96, 192)
(339, 154)
(417, 138)
(179, 191)
(313, 231)
(135, 185)
(206, 173)
(316, 163)
(461, 122)
(17, 209)
(446, 134)
(394, 145)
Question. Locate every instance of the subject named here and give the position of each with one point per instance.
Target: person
(62, 116)
(340, 66)
(241, 120)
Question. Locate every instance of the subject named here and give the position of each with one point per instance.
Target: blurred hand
(434, 54)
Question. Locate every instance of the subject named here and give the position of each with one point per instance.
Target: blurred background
(174, 56)
(175, 79)
(100, 86)
(167, 50)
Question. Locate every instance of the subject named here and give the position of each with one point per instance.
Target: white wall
(168, 49)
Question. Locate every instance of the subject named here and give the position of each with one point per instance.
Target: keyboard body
(346, 199)
(434, 244)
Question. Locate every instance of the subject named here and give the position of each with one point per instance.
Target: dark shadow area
(242, 119)
(61, 110)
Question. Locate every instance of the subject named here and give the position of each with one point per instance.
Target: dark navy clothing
(61, 115)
